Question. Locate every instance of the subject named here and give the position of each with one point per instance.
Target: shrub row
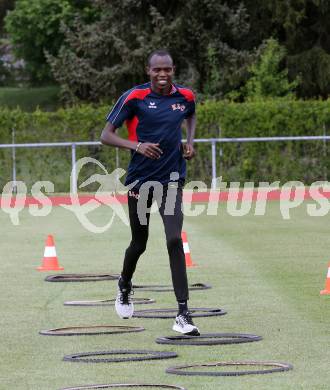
(255, 161)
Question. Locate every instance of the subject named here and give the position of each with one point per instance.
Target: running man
(154, 113)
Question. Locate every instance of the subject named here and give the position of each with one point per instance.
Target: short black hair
(161, 53)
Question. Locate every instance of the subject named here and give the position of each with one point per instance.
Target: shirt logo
(133, 194)
(152, 105)
(178, 106)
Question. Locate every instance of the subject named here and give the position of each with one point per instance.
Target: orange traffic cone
(50, 261)
(326, 291)
(189, 262)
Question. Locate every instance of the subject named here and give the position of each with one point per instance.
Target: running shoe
(184, 324)
(124, 305)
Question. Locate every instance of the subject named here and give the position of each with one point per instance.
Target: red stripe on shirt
(137, 94)
(187, 93)
(131, 127)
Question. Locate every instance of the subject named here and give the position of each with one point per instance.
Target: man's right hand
(150, 150)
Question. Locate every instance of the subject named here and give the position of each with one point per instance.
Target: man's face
(161, 71)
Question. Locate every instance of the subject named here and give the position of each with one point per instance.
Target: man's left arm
(188, 148)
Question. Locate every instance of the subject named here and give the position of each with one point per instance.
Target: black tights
(170, 209)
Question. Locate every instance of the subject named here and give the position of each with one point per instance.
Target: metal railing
(212, 141)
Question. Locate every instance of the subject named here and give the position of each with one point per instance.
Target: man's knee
(173, 242)
(138, 246)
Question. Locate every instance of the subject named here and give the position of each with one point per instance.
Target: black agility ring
(125, 385)
(108, 302)
(81, 277)
(171, 313)
(276, 367)
(148, 355)
(91, 330)
(167, 287)
(209, 339)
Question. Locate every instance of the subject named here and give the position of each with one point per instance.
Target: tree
(303, 27)
(5, 72)
(267, 78)
(34, 26)
(97, 48)
(5, 6)
(103, 58)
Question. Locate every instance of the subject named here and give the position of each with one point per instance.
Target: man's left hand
(188, 151)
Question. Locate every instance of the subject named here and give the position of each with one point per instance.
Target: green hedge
(305, 161)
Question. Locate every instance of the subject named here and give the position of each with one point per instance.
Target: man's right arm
(109, 137)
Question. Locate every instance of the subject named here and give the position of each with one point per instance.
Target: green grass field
(265, 271)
